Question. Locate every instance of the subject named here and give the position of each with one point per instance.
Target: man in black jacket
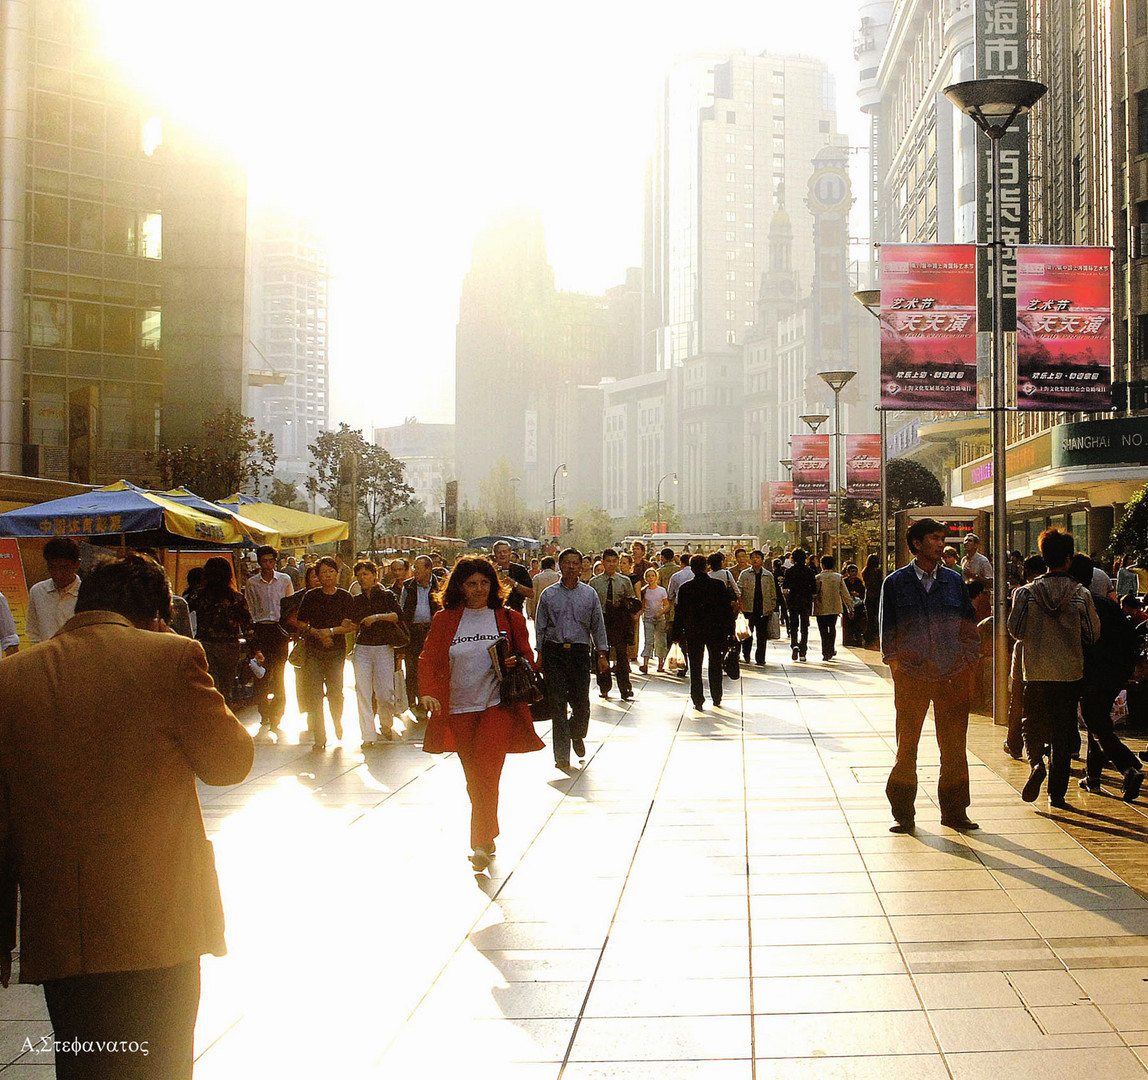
(799, 586)
(1108, 663)
(704, 615)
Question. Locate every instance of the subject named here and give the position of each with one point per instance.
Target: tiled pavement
(715, 895)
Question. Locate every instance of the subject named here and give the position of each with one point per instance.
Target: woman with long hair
(222, 618)
(872, 577)
(460, 688)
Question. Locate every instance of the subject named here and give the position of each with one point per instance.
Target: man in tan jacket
(103, 731)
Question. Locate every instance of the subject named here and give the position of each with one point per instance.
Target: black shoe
(1058, 804)
(627, 697)
(1016, 755)
(717, 703)
(1143, 755)
(961, 824)
(802, 658)
(579, 748)
(1032, 785)
(1089, 783)
(1133, 780)
(795, 654)
(563, 765)
(905, 825)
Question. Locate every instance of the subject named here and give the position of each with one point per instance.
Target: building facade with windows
(121, 261)
(426, 452)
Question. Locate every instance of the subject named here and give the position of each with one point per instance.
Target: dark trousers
(621, 650)
(872, 623)
(482, 739)
(695, 651)
(1050, 720)
(567, 675)
(148, 1016)
(799, 631)
(418, 633)
(950, 700)
(827, 628)
(853, 627)
(1096, 699)
(325, 670)
(269, 692)
(758, 625)
(222, 664)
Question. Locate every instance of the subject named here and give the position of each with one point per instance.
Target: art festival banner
(810, 454)
(1064, 328)
(928, 326)
(863, 466)
(781, 506)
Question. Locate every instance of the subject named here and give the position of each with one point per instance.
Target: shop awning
(296, 528)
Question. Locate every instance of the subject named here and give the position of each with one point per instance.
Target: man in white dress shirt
(265, 592)
(52, 603)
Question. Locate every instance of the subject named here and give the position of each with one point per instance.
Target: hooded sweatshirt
(1056, 619)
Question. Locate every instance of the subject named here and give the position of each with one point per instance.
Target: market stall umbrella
(257, 531)
(122, 509)
(296, 528)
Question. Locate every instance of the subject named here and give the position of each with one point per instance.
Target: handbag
(297, 657)
(731, 665)
(773, 627)
(540, 710)
(518, 683)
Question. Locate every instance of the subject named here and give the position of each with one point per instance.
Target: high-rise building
(426, 452)
(121, 261)
(287, 354)
(528, 358)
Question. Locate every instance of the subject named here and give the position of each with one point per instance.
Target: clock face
(829, 190)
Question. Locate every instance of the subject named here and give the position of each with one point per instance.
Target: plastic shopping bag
(675, 659)
(741, 628)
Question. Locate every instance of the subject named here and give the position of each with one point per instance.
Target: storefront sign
(863, 466)
(928, 326)
(1122, 441)
(1064, 328)
(810, 454)
(1035, 453)
(780, 500)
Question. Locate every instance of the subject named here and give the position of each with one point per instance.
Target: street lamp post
(870, 300)
(554, 492)
(813, 421)
(798, 504)
(837, 381)
(993, 105)
(658, 511)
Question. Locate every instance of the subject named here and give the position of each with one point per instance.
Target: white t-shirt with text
(473, 680)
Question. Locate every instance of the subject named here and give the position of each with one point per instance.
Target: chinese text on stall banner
(810, 454)
(928, 326)
(1064, 328)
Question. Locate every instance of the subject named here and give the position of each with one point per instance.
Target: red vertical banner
(810, 454)
(863, 466)
(13, 584)
(928, 326)
(1064, 328)
(781, 507)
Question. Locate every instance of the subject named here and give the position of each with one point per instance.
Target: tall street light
(870, 300)
(787, 464)
(837, 381)
(554, 497)
(658, 512)
(813, 421)
(994, 105)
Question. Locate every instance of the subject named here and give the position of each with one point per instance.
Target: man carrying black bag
(705, 618)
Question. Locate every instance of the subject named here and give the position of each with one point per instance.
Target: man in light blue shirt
(570, 628)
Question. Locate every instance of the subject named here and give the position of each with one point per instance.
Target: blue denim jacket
(933, 634)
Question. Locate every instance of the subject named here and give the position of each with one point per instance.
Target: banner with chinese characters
(1064, 329)
(781, 500)
(863, 466)
(928, 326)
(810, 454)
(13, 583)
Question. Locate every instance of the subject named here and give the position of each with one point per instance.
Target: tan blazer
(103, 730)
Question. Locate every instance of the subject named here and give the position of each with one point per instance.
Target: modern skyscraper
(121, 261)
(287, 355)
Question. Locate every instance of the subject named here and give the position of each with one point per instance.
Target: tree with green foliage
(233, 457)
(343, 462)
(647, 513)
(911, 484)
(498, 501)
(286, 493)
(594, 529)
(1130, 537)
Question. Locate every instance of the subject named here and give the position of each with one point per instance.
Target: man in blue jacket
(929, 640)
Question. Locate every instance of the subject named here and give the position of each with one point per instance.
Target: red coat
(434, 680)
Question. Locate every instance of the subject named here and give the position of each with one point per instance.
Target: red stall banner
(810, 454)
(781, 506)
(928, 326)
(863, 466)
(1064, 328)
(13, 584)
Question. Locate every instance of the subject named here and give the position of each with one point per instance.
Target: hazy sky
(406, 127)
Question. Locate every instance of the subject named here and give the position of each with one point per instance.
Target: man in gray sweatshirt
(1055, 618)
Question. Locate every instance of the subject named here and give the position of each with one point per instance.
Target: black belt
(565, 645)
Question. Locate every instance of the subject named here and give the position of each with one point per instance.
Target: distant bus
(703, 542)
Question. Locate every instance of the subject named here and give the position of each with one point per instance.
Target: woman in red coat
(460, 689)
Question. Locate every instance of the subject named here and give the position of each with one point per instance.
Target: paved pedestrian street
(714, 895)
